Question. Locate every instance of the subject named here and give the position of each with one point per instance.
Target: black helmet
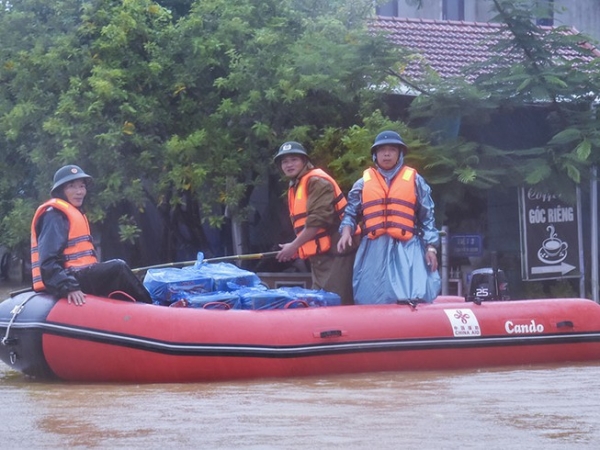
(388, 137)
(290, 148)
(66, 174)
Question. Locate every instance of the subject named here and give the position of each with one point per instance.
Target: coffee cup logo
(553, 249)
(554, 246)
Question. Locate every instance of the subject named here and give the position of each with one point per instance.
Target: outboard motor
(487, 284)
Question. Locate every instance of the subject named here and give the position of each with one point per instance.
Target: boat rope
(410, 302)
(6, 340)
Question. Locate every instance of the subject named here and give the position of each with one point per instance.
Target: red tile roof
(446, 46)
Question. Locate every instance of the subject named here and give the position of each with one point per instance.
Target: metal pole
(580, 239)
(445, 259)
(594, 231)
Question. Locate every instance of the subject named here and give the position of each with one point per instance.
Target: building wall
(584, 15)
(432, 9)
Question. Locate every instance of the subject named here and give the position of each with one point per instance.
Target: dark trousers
(107, 277)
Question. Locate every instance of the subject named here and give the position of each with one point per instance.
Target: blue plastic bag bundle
(226, 286)
(215, 300)
(226, 276)
(260, 297)
(314, 298)
(170, 284)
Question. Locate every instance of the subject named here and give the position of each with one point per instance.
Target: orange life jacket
(390, 209)
(297, 203)
(80, 248)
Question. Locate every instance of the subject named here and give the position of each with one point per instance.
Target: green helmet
(66, 174)
(290, 148)
(391, 138)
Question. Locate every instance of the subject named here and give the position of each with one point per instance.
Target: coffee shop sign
(549, 236)
(552, 214)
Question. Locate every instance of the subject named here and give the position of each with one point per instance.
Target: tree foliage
(178, 107)
(551, 71)
(173, 106)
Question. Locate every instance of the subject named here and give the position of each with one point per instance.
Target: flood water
(537, 407)
(543, 407)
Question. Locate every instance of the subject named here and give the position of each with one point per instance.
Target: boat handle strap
(330, 333)
(6, 340)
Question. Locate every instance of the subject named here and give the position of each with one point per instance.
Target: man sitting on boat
(63, 257)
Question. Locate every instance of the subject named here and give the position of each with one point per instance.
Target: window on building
(453, 10)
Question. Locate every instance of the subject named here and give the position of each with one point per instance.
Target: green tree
(552, 70)
(249, 75)
(39, 54)
(181, 113)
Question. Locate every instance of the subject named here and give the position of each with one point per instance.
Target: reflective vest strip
(297, 203)
(79, 252)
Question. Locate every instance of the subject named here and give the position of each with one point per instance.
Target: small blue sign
(465, 245)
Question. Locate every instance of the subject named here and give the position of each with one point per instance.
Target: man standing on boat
(63, 257)
(397, 256)
(316, 206)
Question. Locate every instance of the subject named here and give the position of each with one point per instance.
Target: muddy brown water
(532, 407)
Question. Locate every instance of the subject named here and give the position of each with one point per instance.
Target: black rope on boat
(410, 302)
(6, 340)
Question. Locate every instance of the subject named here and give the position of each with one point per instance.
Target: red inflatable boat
(117, 341)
